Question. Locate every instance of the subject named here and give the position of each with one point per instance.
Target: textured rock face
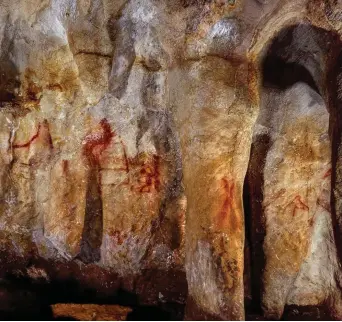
(214, 133)
(290, 178)
(181, 151)
(91, 169)
(298, 244)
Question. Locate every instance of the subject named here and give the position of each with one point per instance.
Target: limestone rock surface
(171, 153)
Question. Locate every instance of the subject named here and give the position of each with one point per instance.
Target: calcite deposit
(182, 154)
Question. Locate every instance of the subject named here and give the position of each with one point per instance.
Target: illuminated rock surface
(173, 153)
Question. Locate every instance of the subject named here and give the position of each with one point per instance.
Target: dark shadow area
(8, 81)
(21, 303)
(9, 74)
(296, 55)
(120, 31)
(25, 298)
(93, 221)
(306, 313)
(22, 300)
(65, 318)
(255, 220)
(282, 75)
(333, 82)
(149, 313)
(247, 272)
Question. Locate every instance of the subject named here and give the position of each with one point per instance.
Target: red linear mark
(227, 204)
(28, 143)
(65, 166)
(148, 178)
(126, 162)
(45, 127)
(327, 174)
(149, 175)
(117, 236)
(125, 157)
(96, 143)
(299, 204)
(226, 213)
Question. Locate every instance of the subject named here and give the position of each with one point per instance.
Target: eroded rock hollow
(181, 154)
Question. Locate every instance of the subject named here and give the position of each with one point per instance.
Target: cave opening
(298, 68)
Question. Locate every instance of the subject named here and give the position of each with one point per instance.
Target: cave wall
(179, 151)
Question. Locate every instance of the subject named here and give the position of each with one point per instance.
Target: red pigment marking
(118, 236)
(125, 157)
(327, 174)
(149, 175)
(65, 166)
(96, 143)
(227, 206)
(126, 161)
(45, 127)
(299, 204)
(146, 179)
(28, 143)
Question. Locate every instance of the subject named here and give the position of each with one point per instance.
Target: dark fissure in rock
(255, 220)
(93, 221)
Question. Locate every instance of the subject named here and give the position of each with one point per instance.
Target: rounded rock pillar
(214, 116)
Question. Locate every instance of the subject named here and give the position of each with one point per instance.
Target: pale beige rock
(125, 136)
(296, 201)
(215, 125)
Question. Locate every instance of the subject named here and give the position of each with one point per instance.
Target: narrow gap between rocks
(333, 82)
